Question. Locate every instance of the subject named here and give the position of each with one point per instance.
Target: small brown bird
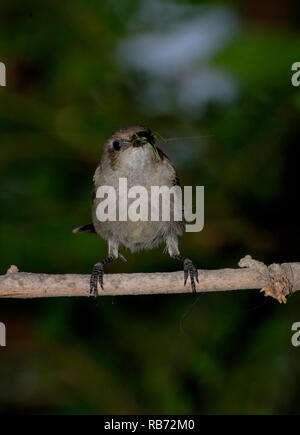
(131, 153)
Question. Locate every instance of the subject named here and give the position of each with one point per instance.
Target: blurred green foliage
(68, 87)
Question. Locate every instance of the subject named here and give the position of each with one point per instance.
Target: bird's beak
(138, 142)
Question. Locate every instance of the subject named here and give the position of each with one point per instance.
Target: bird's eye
(117, 145)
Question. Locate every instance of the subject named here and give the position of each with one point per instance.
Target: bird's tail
(89, 228)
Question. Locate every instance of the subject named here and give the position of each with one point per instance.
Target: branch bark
(278, 282)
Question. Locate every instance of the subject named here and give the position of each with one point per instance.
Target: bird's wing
(174, 180)
(174, 176)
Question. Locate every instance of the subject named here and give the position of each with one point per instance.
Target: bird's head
(131, 144)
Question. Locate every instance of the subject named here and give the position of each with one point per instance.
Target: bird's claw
(190, 271)
(96, 276)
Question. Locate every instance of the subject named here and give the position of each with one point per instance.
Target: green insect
(149, 139)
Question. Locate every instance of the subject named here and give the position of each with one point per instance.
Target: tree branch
(276, 280)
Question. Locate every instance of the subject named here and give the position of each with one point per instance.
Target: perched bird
(131, 153)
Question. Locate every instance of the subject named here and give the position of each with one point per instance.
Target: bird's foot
(190, 271)
(96, 276)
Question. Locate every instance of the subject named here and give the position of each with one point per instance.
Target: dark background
(218, 76)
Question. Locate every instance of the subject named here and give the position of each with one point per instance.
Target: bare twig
(276, 281)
